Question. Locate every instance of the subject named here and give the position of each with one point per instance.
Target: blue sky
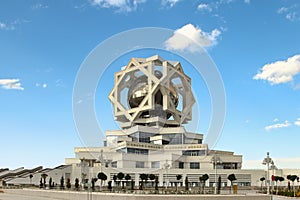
(253, 43)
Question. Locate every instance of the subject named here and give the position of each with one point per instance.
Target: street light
(101, 159)
(215, 160)
(167, 166)
(83, 170)
(267, 161)
(273, 168)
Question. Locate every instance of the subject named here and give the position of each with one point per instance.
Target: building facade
(152, 101)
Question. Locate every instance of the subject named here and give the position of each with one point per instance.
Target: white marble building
(152, 101)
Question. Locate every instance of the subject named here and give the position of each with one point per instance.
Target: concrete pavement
(7, 196)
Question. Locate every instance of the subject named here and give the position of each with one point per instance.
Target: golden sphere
(140, 89)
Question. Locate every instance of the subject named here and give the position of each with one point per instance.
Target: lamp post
(101, 159)
(167, 166)
(273, 168)
(215, 160)
(83, 170)
(267, 161)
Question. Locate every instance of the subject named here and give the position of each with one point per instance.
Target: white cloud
(215, 5)
(204, 7)
(280, 71)
(38, 6)
(12, 25)
(297, 122)
(11, 84)
(122, 68)
(291, 13)
(292, 16)
(7, 27)
(59, 83)
(275, 120)
(278, 125)
(43, 85)
(220, 2)
(2, 26)
(169, 3)
(247, 1)
(282, 10)
(190, 37)
(121, 5)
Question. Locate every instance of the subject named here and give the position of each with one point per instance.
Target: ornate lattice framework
(152, 89)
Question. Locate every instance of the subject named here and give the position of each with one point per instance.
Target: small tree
(262, 179)
(120, 176)
(203, 179)
(62, 180)
(231, 178)
(68, 183)
(276, 179)
(102, 177)
(178, 178)
(152, 178)
(109, 187)
(186, 182)
(132, 185)
(289, 178)
(292, 178)
(44, 176)
(76, 184)
(4, 183)
(41, 183)
(219, 185)
(50, 182)
(143, 177)
(30, 177)
(94, 180)
(156, 184)
(115, 179)
(127, 178)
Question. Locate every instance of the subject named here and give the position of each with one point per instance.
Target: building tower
(152, 100)
(152, 92)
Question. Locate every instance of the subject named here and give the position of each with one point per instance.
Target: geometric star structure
(152, 90)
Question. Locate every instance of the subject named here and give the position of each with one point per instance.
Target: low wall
(71, 195)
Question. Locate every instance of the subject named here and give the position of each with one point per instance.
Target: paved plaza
(31, 194)
(7, 196)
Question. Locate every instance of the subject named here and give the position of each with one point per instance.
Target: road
(6, 196)
(282, 198)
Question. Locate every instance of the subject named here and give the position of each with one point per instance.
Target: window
(155, 164)
(194, 153)
(174, 138)
(181, 165)
(194, 165)
(138, 151)
(114, 164)
(139, 164)
(142, 137)
(67, 175)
